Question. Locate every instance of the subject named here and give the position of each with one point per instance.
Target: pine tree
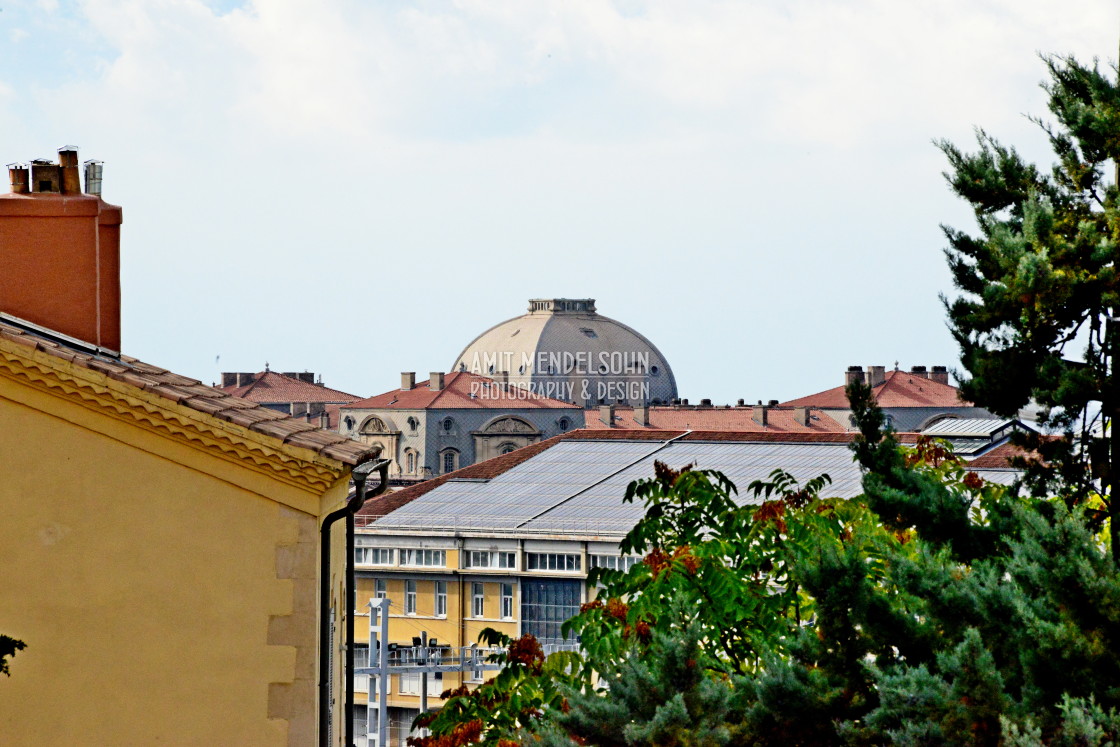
(1039, 314)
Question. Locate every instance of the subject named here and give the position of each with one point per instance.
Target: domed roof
(562, 348)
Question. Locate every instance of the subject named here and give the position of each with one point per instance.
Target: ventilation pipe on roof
(360, 474)
(19, 174)
(93, 177)
(71, 181)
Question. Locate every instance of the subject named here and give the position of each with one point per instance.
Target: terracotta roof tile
(899, 389)
(197, 396)
(458, 388)
(270, 387)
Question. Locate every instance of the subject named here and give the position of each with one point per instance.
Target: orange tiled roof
(738, 419)
(899, 389)
(456, 395)
(196, 395)
(269, 387)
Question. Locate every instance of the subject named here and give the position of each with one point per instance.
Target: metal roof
(979, 427)
(577, 487)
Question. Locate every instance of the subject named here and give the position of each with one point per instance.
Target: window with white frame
(490, 559)
(434, 558)
(450, 459)
(441, 599)
(478, 600)
(373, 556)
(552, 561)
(507, 601)
(379, 591)
(410, 597)
(614, 562)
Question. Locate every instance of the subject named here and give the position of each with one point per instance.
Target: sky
(359, 188)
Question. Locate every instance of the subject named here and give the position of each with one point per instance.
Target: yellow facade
(160, 564)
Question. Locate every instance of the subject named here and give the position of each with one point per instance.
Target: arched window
(450, 460)
(410, 462)
(506, 448)
(348, 423)
(413, 424)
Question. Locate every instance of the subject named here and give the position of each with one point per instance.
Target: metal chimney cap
(16, 165)
(42, 162)
(92, 160)
(68, 147)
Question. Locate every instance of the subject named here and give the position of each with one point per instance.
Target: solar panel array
(577, 487)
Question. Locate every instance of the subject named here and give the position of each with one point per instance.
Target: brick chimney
(918, 371)
(408, 380)
(641, 415)
(854, 373)
(801, 416)
(60, 253)
(606, 415)
(940, 374)
(760, 414)
(435, 381)
(876, 375)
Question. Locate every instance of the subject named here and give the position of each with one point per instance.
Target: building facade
(508, 543)
(161, 539)
(452, 421)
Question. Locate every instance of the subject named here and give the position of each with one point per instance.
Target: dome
(562, 348)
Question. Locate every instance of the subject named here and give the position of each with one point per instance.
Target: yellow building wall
(167, 595)
(459, 628)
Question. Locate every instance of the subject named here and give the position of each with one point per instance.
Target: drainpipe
(359, 474)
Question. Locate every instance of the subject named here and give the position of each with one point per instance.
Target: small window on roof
(589, 332)
(654, 370)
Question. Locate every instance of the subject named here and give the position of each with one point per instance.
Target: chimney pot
(71, 183)
(741, 403)
(408, 380)
(759, 414)
(93, 177)
(606, 415)
(705, 402)
(435, 381)
(306, 377)
(773, 403)
(19, 175)
(919, 371)
(876, 375)
(940, 374)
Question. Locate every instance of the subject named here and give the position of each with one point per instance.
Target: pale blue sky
(358, 188)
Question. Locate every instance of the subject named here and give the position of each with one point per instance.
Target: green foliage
(8, 648)
(1039, 281)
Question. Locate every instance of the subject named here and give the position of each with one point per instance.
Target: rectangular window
(491, 559)
(614, 562)
(552, 561)
(429, 558)
(410, 597)
(478, 600)
(379, 591)
(507, 601)
(441, 599)
(373, 556)
(545, 605)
